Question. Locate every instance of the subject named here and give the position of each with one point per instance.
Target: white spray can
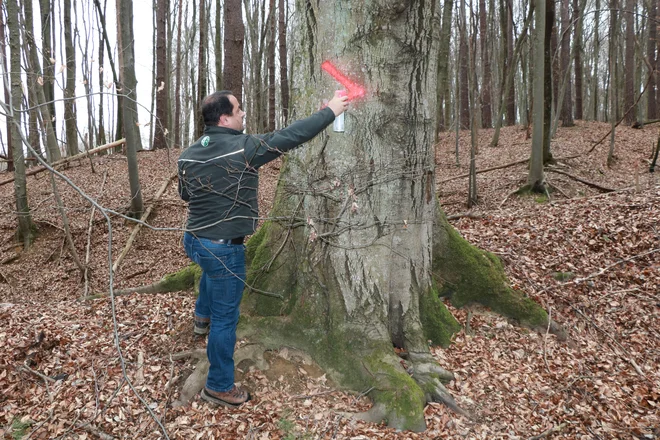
(338, 124)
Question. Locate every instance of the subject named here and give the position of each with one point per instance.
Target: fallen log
(66, 160)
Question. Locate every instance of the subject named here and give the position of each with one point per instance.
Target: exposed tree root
(194, 383)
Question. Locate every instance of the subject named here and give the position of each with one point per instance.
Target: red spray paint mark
(354, 90)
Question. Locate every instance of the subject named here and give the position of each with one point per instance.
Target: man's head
(223, 110)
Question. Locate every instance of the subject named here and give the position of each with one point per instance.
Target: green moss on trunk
(439, 324)
(184, 279)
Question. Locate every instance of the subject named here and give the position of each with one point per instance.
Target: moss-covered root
(397, 398)
(468, 275)
(431, 377)
(185, 279)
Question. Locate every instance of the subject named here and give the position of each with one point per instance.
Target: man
(218, 178)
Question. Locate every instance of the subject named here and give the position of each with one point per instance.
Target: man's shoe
(232, 398)
(201, 328)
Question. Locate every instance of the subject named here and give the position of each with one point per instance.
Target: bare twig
(545, 341)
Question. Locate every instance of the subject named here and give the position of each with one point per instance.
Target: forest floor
(61, 374)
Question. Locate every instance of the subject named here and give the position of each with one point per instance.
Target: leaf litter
(589, 260)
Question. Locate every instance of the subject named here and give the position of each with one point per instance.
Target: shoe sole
(211, 399)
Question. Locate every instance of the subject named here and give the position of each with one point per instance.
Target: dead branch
(605, 269)
(65, 161)
(156, 287)
(143, 219)
(89, 237)
(47, 379)
(499, 167)
(548, 432)
(464, 215)
(581, 180)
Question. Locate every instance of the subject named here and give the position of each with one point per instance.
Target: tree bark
(26, 228)
(596, 52)
(70, 89)
(130, 115)
(234, 42)
(629, 63)
(162, 104)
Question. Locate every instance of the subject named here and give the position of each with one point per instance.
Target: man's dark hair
(215, 105)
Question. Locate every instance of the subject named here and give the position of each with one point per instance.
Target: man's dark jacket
(218, 174)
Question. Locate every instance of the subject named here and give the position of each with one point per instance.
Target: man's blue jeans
(220, 293)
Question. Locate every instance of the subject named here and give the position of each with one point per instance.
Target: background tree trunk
(3, 48)
(578, 18)
(535, 179)
(270, 63)
(234, 40)
(162, 104)
(629, 69)
(547, 82)
(26, 227)
(443, 66)
(130, 115)
(202, 70)
(463, 61)
(652, 110)
(47, 53)
(486, 107)
(284, 68)
(70, 120)
(511, 64)
(218, 45)
(177, 87)
(567, 85)
(34, 79)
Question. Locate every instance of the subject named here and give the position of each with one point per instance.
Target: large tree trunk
(26, 227)
(361, 251)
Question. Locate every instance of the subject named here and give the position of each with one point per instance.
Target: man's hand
(339, 103)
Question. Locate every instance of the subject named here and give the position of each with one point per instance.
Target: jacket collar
(211, 129)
